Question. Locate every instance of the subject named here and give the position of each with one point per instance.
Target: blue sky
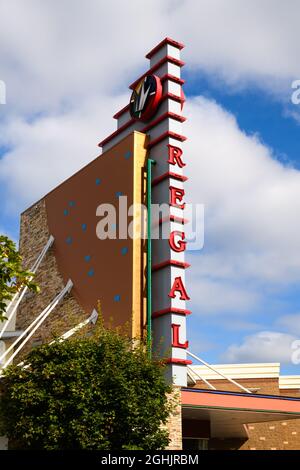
(261, 114)
(256, 112)
(66, 75)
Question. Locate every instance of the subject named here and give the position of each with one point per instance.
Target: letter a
(178, 287)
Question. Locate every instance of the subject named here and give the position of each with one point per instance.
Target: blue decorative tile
(124, 250)
(127, 154)
(87, 258)
(69, 240)
(71, 203)
(66, 212)
(91, 273)
(119, 193)
(98, 181)
(84, 227)
(117, 298)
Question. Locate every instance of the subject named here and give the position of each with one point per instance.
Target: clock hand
(143, 96)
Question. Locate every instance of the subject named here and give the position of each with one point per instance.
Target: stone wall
(34, 235)
(174, 424)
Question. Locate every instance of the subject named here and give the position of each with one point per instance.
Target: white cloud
(252, 201)
(66, 66)
(56, 53)
(258, 43)
(265, 346)
(51, 148)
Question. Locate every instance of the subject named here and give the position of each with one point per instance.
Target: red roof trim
(170, 310)
(170, 262)
(172, 218)
(163, 136)
(122, 111)
(241, 401)
(170, 41)
(180, 220)
(118, 131)
(155, 67)
(172, 78)
(167, 175)
(174, 360)
(161, 118)
(171, 96)
(177, 117)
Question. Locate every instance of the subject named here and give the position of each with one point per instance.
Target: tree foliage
(86, 393)
(12, 275)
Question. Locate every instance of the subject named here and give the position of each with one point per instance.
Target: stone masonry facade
(174, 424)
(34, 235)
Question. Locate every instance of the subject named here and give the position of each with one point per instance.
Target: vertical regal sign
(155, 108)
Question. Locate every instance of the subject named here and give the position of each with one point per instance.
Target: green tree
(86, 393)
(12, 276)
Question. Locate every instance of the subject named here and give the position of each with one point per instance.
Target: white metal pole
(92, 319)
(60, 296)
(25, 331)
(31, 325)
(23, 291)
(201, 378)
(218, 372)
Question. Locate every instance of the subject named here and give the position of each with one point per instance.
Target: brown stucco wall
(101, 270)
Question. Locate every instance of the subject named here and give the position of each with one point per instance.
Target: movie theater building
(82, 254)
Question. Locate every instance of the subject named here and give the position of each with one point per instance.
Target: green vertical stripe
(150, 162)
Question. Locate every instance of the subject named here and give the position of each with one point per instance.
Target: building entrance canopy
(228, 413)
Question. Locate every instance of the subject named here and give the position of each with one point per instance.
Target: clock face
(145, 98)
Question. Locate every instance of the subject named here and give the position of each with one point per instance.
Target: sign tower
(156, 109)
